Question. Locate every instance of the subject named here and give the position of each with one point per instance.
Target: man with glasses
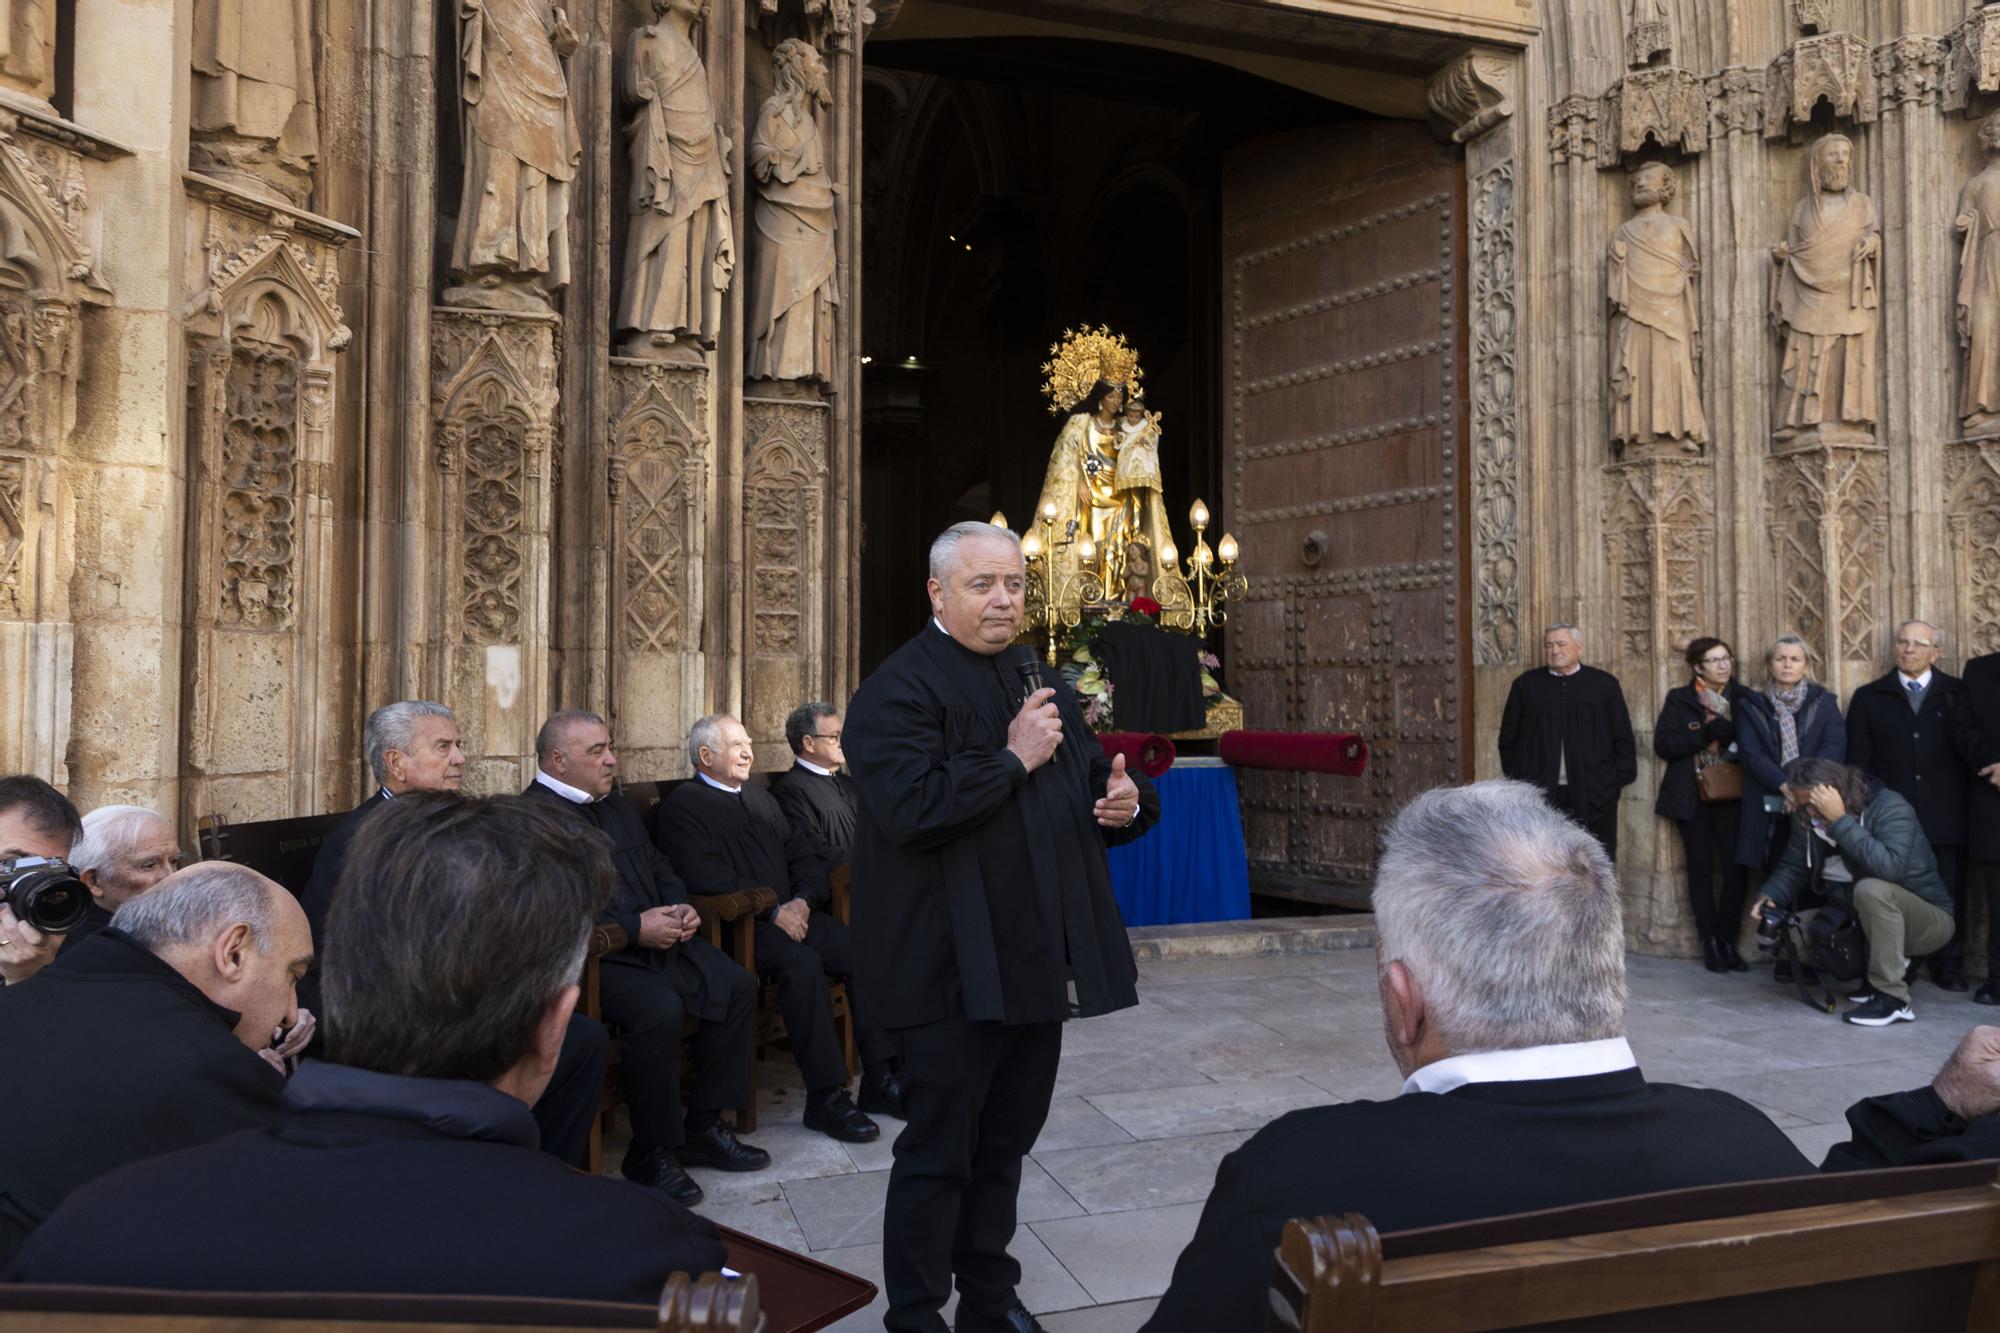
(1900, 731)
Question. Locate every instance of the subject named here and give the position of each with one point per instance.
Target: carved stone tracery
(658, 488)
(1829, 532)
(259, 494)
(1659, 526)
(1972, 512)
(1496, 451)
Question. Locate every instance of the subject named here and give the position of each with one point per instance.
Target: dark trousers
(976, 1095)
(1951, 867)
(1604, 828)
(646, 1008)
(1990, 872)
(569, 1103)
(800, 968)
(1708, 837)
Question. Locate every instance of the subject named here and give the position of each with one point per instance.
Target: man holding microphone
(985, 809)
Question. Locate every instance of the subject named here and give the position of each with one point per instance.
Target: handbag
(1720, 781)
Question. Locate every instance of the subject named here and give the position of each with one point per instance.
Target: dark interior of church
(1015, 188)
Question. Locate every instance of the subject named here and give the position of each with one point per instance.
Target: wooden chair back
(707, 1304)
(280, 849)
(1914, 1247)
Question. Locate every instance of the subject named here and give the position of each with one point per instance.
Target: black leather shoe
(655, 1168)
(1987, 994)
(1950, 979)
(716, 1146)
(882, 1094)
(1015, 1319)
(835, 1115)
(1711, 955)
(1733, 958)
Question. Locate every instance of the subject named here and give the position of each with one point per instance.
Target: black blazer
(1684, 731)
(111, 1055)
(1581, 717)
(317, 900)
(1482, 1150)
(1978, 735)
(375, 1199)
(1914, 755)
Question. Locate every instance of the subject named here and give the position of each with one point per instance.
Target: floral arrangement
(1086, 676)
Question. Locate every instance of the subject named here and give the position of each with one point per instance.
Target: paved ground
(1149, 1100)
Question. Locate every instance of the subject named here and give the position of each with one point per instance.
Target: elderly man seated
(407, 1161)
(1501, 956)
(124, 851)
(145, 1037)
(725, 835)
(37, 822)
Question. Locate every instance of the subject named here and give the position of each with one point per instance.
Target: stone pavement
(1149, 1100)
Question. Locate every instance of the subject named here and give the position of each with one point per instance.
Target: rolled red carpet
(1340, 752)
(1151, 755)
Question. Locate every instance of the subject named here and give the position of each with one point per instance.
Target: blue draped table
(1191, 866)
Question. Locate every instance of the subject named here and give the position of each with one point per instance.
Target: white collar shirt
(564, 790)
(1575, 1059)
(720, 786)
(810, 767)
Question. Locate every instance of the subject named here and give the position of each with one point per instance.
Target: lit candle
(999, 520)
(1198, 516)
(1086, 550)
(1049, 511)
(1202, 555)
(1227, 549)
(1031, 545)
(1168, 555)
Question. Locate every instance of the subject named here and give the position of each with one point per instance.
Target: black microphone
(1029, 667)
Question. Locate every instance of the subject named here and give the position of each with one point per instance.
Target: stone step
(1243, 939)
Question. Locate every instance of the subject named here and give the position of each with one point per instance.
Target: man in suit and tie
(412, 745)
(1501, 959)
(1900, 731)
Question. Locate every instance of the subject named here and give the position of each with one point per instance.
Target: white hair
(193, 906)
(706, 734)
(1507, 912)
(944, 551)
(394, 727)
(110, 832)
(1567, 628)
(1937, 635)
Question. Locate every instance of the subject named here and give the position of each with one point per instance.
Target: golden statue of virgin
(1103, 481)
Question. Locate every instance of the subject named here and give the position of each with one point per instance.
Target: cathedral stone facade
(510, 353)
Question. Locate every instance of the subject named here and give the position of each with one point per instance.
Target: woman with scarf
(1791, 718)
(1697, 728)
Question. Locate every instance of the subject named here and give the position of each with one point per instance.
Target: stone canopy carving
(1655, 327)
(680, 250)
(789, 320)
(1825, 301)
(510, 246)
(252, 109)
(1834, 67)
(1472, 94)
(1667, 105)
(1974, 62)
(1978, 303)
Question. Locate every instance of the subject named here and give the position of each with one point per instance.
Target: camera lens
(48, 897)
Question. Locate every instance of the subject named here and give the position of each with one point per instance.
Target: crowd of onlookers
(1882, 811)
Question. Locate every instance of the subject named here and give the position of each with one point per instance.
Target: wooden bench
(280, 849)
(1866, 1251)
(708, 1304)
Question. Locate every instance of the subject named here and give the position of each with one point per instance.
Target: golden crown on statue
(1081, 359)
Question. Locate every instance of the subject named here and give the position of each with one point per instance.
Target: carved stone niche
(493, 398)
(47, 277)
(1836, 67)
(1972, 512)
(784, 543)
(1973, 65)
(263, 329)
(1665, 104)
(1829, 531)
(659, 478)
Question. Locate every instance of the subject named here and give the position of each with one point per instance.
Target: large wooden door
(1343, 255)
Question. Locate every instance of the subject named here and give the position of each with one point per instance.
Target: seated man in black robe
(1953, 1118)
(666, 973)
(144, 1038)
(124, 851)
(413, 746)
(819, 804)
(407, 1160)
(1501, 949)
(725, 835)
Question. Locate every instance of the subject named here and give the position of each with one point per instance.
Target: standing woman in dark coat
(1697, 727)
(1792, 718)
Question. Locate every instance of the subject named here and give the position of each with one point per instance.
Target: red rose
(1145, 606)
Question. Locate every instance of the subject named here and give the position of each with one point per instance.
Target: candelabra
(1057, 598)
(1192, 597)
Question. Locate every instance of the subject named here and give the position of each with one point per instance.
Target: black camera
(44, 893)
(1771, 927)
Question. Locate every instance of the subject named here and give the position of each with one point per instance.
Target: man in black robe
(412, 745)
(817, 798)
(725, 836)
(665, 973)
(1566, 729)
(984, 817)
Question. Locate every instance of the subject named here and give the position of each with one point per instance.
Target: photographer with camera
(1858, 846)
(40, 897)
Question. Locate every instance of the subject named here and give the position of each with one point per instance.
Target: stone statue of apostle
(1655, 329)
(679, 250)
(1825, 301)
(1979, 289)
(521, 152)
(793, 287)
(252, 113)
